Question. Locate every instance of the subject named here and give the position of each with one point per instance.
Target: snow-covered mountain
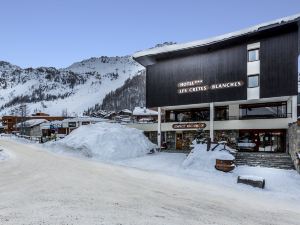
(130, 95)
(75, 88)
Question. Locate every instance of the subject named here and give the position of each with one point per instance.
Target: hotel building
(241, 85)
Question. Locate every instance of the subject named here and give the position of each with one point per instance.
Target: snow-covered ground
(280, 184)
(39, 187)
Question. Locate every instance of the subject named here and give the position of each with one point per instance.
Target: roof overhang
(150, 56)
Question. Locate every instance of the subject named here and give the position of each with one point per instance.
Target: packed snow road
(38, 187)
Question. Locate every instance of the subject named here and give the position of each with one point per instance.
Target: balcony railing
(240, 117)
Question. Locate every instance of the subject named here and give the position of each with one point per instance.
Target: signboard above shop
(188, 125)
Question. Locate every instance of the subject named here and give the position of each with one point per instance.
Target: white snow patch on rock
(105, 141)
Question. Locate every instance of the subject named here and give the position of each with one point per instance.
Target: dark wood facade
(223, 65)
(279, 65)
(226, 62)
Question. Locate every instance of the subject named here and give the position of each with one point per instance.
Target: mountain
(128, 96)
(85, 87)
(73, 89)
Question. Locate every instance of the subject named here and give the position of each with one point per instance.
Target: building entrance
(184, 139)
(262, 140)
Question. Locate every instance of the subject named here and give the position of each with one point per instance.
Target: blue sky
(59, 32)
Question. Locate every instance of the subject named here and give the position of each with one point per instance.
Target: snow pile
(201, 159)
(105, 141)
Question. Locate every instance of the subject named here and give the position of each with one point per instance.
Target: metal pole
(159, 128)
(211, 121)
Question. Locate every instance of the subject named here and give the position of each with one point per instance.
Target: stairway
(264, 159)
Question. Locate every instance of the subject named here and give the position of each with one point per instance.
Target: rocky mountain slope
(128, 96)
(86, 87)
(74, 89)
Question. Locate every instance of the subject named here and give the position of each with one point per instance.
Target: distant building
(64, 127)
(144, 115)
(9, 122)
(31, 127)
(125, 112)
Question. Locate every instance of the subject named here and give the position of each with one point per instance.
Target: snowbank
(280, 184)
(105, 141)
(201, 159)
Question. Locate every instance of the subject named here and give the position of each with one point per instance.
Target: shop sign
(198, 86)
(72, 124)
(189, 126)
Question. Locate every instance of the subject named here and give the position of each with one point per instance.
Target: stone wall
(294, 144)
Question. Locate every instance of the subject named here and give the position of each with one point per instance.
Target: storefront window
(152, 136)
(262, 140)
(169, 142)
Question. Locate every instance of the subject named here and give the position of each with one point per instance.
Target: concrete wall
(294, 144)
(281, 123)
(35, 131)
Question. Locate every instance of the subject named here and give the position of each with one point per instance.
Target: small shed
(31, 127)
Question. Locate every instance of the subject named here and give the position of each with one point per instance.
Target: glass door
(179, 141)
(271, 141)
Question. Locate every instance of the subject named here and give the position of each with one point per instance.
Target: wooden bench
(252, 180)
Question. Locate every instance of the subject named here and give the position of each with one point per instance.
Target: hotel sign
(198, 86)
(188, 125)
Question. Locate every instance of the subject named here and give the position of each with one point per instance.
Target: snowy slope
(74, 89)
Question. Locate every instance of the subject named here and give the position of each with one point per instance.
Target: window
(188, 115)
(253, 55)
(221, 113)
(253, 81)
(264, 110)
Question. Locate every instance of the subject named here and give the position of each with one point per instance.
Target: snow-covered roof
(204, 42)
(109, 114)
(56, 123)
(126, 111)
(32, 123)
(143, 111)
(90, 119)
